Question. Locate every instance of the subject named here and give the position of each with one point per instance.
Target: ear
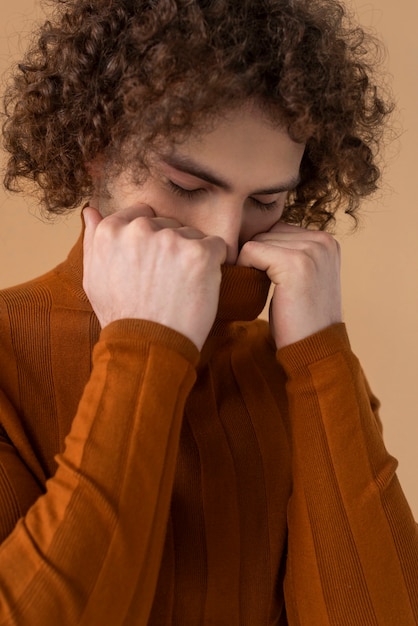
(95, 167)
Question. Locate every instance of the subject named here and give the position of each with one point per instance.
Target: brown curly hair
(113, 77)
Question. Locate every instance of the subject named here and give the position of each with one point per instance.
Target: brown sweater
(227, 489)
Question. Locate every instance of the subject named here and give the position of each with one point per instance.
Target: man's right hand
(137, 265)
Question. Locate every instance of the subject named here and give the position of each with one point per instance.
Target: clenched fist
(137, 265)
(304, 266)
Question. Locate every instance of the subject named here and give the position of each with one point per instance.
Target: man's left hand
(304, 266)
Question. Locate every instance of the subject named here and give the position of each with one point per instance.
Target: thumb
(92, 219)
(248, 255)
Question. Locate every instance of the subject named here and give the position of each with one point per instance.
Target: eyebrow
(188, 166)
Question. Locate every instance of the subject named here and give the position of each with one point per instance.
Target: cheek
(155, 200)
(259, 222)
(172, 210)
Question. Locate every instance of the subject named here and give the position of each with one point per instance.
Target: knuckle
(325, 239)
(141, 225)
(196, 253)
(167, 238)
(203, 255)
(107, 229)
(304, 262)
(248, 246)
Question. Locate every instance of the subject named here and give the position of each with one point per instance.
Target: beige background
(380, 262)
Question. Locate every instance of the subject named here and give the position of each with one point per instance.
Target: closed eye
(190, 194)
(265, 206)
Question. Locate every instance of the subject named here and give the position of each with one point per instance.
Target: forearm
(80, 551)
(353, 544)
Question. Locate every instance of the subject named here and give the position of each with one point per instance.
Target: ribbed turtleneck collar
(243, 291)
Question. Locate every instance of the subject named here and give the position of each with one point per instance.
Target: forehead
(242, 144)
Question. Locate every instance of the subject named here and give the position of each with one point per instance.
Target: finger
(188, 232)
(283, 227)
(165, 223)
(290, 243)
(290, 235)
(217, 248)
(300, 235)
(159, 223)
(258, 255)
(191, 233)
(129, 214)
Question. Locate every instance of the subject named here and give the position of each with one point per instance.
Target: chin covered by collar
(243, 293)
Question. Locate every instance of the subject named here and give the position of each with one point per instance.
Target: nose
(225, 220)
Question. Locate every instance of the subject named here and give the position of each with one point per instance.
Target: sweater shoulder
(32, 291)
(33, 312)
(53, 289)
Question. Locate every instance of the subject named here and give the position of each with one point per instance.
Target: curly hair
(114, 77)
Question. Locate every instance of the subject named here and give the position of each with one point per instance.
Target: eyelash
(268, 206)
(191, 194)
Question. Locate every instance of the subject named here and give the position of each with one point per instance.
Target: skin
(153, 251)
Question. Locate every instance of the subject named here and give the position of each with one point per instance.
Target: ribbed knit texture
(238, 487)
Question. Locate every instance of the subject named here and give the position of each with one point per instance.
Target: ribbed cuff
(138, 330)
(331, 340)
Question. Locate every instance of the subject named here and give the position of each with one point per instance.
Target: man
(172, 460)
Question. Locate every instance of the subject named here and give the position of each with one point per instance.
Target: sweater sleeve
(353, 543)
(97, 534)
